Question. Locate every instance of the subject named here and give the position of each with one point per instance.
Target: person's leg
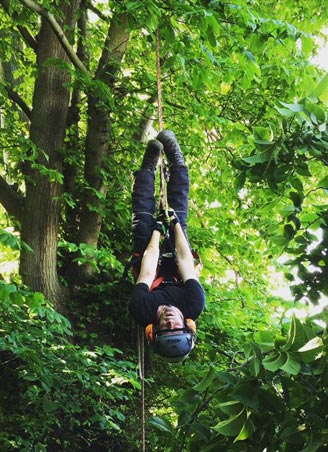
(177, 193)
(178, 184)
(143, 208)
(143, 200)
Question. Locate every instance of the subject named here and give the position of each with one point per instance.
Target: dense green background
(250, 112)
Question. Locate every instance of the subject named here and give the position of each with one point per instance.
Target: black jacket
(188, 297)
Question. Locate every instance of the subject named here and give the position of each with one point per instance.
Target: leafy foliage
(250, 111)
(59, 395)
(264, 401)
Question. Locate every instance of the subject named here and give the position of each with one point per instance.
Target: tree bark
(10, 197)
(43, 188)
(97, 149)
(11, 200)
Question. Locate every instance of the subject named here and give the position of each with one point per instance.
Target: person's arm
(150, 260)
(184, 255)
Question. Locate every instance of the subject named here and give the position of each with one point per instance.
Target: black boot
(171, 147)
(151, 156)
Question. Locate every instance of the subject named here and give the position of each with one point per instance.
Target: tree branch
(11, 200)
(19, 101)
(58, 32)
(28, 38)
(96, 11)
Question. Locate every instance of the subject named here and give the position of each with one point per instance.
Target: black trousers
(144, 204)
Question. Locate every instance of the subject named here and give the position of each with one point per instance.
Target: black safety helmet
(174, 345)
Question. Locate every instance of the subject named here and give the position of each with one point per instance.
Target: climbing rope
(159, 82)
(163, 205)
(141, 363)
(163, 193)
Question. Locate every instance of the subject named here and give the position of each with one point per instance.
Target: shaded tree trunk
(97, 148)
(43, 170)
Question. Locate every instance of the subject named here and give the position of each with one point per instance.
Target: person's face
(169, 317)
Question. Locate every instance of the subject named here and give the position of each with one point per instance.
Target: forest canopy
(243, 93)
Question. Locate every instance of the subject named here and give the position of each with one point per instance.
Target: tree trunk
(44, 167)
(98, 150)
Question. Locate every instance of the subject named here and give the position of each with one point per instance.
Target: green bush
(273, 397)
(55, 395)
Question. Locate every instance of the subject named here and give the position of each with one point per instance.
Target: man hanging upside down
(167, 297)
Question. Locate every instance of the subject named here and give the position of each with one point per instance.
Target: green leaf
(190, 396)
(314, 445)
(17, 298)
(245, 392)
(207, 381)
(255, 366)
(307, 45)
(274, 361)
(317, 114)
(261, 157)
(247, 430)
(10, 240)
(303, 169)
(296, 336)
(226, 377)
(296, 197)
(231, 407)
(323, 183)
(265, 340)
(291, 366)
(296, 183)
(161, 424)
(321, 90)
(311, 350)
(264, 134)
(295, 108)
(279, 240)
(233, 425)
(285, 112)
